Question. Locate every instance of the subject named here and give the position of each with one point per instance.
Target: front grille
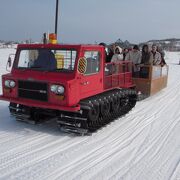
(33, 90)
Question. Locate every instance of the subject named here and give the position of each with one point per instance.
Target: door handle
(85, 83)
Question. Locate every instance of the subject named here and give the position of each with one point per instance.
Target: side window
(93, 62)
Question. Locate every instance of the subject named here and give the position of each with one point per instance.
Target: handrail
(153, 71)
(118, 67)
(118, 75)
(150, 71)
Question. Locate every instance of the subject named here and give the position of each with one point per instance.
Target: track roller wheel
(12, 107)
(93, 116)
(115, 104)
(105, 110)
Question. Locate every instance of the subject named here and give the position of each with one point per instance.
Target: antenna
(56, 18)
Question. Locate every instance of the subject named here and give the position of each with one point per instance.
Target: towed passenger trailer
(151, 80)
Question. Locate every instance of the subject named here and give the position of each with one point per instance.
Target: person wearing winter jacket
(155, 56)
(160, 50)
(135, 56)
(118, 56)
(144, 70)
(125, 51)
(145, 55)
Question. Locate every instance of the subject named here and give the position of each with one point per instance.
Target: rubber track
(107, 106)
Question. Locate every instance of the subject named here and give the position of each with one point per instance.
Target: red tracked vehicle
(72, 83)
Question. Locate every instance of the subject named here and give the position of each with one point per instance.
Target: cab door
(91, 82)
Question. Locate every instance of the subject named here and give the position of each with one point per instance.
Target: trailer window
(93, 62)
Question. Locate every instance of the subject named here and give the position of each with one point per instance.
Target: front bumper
(43, 105)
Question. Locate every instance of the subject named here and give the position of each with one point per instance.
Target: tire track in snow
(112, 143)
(98, 142)
(153, 151)
(131, 164)
(176, 173)
(36, 155)
(130, 128)
(26, 147)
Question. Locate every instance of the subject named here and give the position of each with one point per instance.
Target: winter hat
(119, 48)
(136, 47)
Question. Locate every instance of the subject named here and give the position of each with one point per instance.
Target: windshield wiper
(35, 67)
(64, 70)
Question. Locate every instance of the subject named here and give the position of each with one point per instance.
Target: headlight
(57, 89)
(60, 90)
(54, 88)
(7, 83)
(10, 83)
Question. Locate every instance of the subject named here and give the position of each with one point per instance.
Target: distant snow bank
(7, 46)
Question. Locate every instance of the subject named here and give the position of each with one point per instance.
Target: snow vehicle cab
(72, 83)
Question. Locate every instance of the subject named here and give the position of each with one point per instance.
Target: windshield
(47, 59)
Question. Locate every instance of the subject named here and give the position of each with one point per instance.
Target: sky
(90, 21)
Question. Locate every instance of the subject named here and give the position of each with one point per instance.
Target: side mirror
(10, 62)
(82, 65)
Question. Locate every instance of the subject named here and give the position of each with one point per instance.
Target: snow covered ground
(143, 145)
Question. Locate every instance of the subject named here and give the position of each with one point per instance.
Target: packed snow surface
(143, 145)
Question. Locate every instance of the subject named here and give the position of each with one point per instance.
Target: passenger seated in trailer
(144, 70)
(145, 58)
(118, 56)
(135, 57)
(125, 52)
(108, 52)
(150, 58)
(160, 50)
(155, 56)
(46, 60)
(111, 50)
